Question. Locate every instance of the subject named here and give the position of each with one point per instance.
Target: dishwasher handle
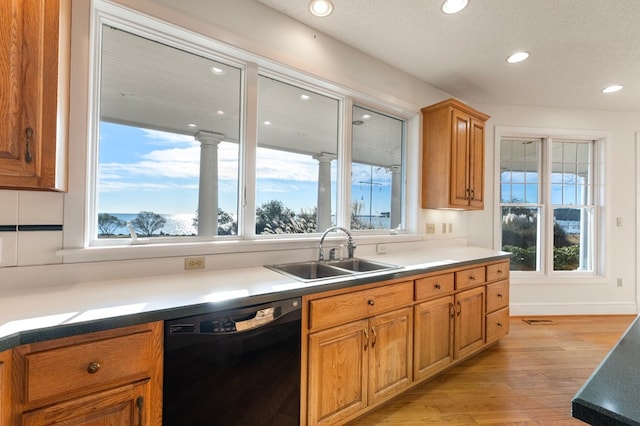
(234, 321)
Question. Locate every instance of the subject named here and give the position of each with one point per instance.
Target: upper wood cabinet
(452, 156)
(34, 93)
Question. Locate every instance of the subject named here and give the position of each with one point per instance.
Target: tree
(272, 211)
(146, 223)
(108, 223)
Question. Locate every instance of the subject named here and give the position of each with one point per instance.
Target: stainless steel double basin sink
(318, 269)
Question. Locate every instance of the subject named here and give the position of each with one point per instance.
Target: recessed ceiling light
(217, 70)
(305, 97)
(320, 8)
(517, 57)
(266, 123)
(611, 89)
(454, 6)
(366, 117)
(192, 125)
(220, 112)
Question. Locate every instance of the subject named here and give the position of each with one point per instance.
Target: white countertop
(100, 300)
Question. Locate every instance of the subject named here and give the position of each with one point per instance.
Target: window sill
(200, 248)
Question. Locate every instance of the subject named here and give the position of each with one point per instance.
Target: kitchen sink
(317, 269)
(360, 265)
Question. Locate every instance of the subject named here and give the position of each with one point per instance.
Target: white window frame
(80, 245)
(600, 254)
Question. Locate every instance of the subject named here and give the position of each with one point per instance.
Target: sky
(141, 169)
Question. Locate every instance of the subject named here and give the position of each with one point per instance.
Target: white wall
(33, 259)
(573, 296)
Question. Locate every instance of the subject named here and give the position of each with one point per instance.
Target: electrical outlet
(194, 263)
(619, 282)
(451, 228)
(431, 228)
(381, 248)
(444, 228)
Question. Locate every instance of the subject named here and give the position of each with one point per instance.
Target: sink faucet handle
(332, 254)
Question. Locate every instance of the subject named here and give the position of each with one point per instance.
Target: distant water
(177, 224)
(182, 224)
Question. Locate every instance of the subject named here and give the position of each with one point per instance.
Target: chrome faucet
(351, 245)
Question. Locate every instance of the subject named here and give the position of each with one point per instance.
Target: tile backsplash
(30, 227)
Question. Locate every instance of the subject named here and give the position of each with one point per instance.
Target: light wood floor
(529, 378)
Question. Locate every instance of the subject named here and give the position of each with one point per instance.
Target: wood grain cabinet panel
(469, 322)
(453, 156)
(433, 336)
(497, 324)
(34, 90)
(111, 377)
(434, 286)
(5, 388)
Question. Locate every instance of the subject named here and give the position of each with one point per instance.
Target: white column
(208, 186)
(323, 220)
(396, 196)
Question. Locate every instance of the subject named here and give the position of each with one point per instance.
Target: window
(547, 203)
(175, 156)
(169, 140)
(376, 170)
(296, 159)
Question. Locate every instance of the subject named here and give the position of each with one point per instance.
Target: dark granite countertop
(611, 396)
(48, 313)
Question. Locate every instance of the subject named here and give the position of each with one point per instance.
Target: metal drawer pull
(499, 324)
(499, 295)
(472, 277)
(436, 286)
(371, 302)
(93, 367)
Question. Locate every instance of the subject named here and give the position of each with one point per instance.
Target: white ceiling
(577, 46)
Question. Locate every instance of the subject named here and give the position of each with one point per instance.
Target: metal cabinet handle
(375, 337)
(28, 158)
(366, 339)
(93, 367)
(499, 296)
(472, 277)
(459, 309)
(499, 324)
(371, 302)
(452, 310)
(436, 286)
(139, 404)
(473, 195)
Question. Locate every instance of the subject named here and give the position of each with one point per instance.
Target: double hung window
(547, 203)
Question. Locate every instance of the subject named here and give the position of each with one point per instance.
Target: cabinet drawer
(436, 286)
(343, 308)
(470, 277)
(497, 324)
(497, 295)
(63, 370)
(498, 271)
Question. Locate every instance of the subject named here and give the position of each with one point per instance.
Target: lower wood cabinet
(469, 322)
(358, 364)
(5, 388)
(433, 334)
(122, 406)
(111, 377)
(362, 346)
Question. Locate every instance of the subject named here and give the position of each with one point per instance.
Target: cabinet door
(5, 389)
(433, 333)
(460, 157)
(337, 382)
(476, 164)
(469, 322)
(124, 406)
(34, 49)
(391, 354)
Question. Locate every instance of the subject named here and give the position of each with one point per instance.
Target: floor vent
(538, 321)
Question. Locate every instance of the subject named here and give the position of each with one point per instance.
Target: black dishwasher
(235, 367)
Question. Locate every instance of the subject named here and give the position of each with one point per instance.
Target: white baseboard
(622, 308)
